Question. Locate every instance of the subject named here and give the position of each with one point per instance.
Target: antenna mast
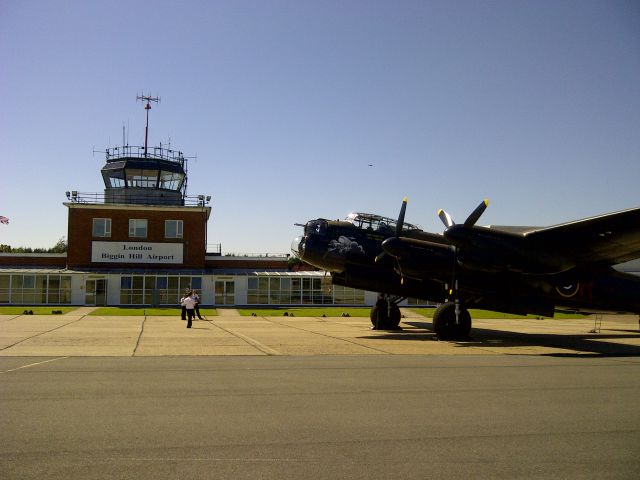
(147, 107)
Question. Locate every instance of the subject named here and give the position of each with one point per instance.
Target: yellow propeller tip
(405, 199)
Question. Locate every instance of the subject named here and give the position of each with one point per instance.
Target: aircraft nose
(297, 246)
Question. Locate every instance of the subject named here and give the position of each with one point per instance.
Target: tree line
(59, 247)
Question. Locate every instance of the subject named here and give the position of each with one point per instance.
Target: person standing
(189, 303)
(197, 307)
(183, 313)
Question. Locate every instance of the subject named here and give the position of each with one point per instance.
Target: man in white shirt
(190, 303)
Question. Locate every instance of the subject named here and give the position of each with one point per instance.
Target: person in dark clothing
(196, 309)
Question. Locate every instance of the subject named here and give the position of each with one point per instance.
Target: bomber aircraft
(509, 269)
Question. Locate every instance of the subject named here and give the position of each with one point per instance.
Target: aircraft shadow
(587, 343)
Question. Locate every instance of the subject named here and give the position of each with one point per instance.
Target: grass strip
(306, 312)
(37, 310)
(149, 311)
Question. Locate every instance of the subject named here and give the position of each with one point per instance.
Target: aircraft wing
(606, 239)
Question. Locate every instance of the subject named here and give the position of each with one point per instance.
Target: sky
(293, 110)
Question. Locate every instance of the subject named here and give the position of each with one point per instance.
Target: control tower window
(113, 178)
(171, 180)
(138, 228)
(173, 228)
(101, 227)
(142, 178)
(117, 182)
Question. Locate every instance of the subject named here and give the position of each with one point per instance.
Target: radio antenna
(147, 107)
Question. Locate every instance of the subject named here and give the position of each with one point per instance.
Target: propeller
(399, 226)
(471, 219)
(400, 223)
(469, 223)
(446, 218)
(398, 234)
(475, 215)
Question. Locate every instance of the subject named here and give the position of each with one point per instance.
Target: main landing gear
(385, 314)
(445, 324)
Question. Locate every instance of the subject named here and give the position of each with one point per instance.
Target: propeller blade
(400, 223)
(446, 218)
(475, 215)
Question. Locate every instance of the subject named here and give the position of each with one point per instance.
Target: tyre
(380, 318)
(444, 322)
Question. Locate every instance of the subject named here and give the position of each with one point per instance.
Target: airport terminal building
(143, 242)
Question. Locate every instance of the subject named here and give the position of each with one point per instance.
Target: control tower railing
(131, 151)
(96, 198)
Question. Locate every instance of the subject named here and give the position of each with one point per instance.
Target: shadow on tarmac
(592, 344)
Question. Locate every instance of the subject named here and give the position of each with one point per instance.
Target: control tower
(142, 175)
(145, 219)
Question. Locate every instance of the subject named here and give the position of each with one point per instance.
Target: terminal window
(275, 290)
(101, 227)
(138, 228)
(173, 228)
(35, 289)
(156, 289)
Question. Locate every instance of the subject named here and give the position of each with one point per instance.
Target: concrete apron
(77, 334)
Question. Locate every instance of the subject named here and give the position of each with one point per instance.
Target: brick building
(143, 241)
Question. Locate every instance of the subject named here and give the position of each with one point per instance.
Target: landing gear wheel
(444, 322)
(380, 318)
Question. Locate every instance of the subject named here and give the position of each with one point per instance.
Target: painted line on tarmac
(321, 319)
(254, 343)
(34, 364)
(41, 333)
(139, 336)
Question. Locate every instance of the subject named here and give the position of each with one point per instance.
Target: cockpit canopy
(316, 227)
(377, 223)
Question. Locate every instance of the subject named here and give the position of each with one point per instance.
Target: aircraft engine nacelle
(419, 256)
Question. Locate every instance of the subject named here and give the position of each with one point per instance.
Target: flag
(4, 220)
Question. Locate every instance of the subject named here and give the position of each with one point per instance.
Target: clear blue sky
(532, 104)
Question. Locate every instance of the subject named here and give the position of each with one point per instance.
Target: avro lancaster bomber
(566, 267)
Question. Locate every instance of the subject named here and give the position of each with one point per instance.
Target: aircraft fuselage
(424, 265)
